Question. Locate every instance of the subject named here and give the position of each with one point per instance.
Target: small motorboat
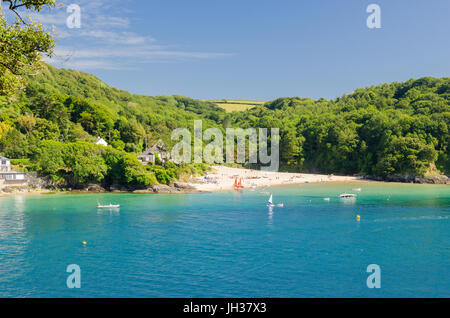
(347, 195)
(109, 206)
(357, 189)
(280, 205)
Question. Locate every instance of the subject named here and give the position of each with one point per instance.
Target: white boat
(357, 189)
(347, 195)
(326, 199)
(270, 203)
(110, 206)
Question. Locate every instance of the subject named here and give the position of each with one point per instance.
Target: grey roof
(149, 151)
(3, 158)
(159, 147)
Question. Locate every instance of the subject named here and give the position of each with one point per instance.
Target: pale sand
(222, 178)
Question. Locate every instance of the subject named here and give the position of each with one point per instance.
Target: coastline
(220, 178)
(29, 192)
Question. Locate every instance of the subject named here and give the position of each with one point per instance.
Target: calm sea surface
(230, 244)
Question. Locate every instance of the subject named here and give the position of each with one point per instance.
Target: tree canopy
(57, 118)
(22, 44)
(385, 130)
(398, 128)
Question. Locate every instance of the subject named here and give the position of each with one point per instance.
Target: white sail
(270, 200)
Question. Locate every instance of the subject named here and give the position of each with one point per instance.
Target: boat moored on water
(109, 206)
(347, 195)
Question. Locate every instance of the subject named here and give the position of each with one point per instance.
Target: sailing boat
(238, 186)
(270, 203)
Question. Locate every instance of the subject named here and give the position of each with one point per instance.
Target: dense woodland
(50, 127)
(398, 128)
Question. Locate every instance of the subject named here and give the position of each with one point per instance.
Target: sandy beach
(223, 178)
(220, 178)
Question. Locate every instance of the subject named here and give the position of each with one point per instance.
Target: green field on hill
(236, 105)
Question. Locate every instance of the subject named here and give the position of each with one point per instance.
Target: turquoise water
(230, 244)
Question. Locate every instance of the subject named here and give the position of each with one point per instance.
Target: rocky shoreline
(430, 179)
(177, 187)
(183, 187)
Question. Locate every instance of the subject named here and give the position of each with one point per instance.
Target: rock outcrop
(433, 179)
(183, 186)
(428, 179)
(95, 188)
(164, 188)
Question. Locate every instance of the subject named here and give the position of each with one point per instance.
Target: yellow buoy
(84, 243)
(358, 218)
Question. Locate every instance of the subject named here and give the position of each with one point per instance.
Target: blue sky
(253, 49)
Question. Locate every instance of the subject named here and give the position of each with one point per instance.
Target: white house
(100, 141)
(149, 155)
(8, 175)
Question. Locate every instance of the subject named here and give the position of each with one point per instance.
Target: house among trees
(150, 154)
(100, 141)
(7, 175)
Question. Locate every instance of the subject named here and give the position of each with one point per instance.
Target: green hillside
(387, 130)
(113, 114)
(61, 107)
(391, 129)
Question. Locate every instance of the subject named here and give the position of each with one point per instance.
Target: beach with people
(226, 178)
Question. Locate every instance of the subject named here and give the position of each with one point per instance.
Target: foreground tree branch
(22, 45)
